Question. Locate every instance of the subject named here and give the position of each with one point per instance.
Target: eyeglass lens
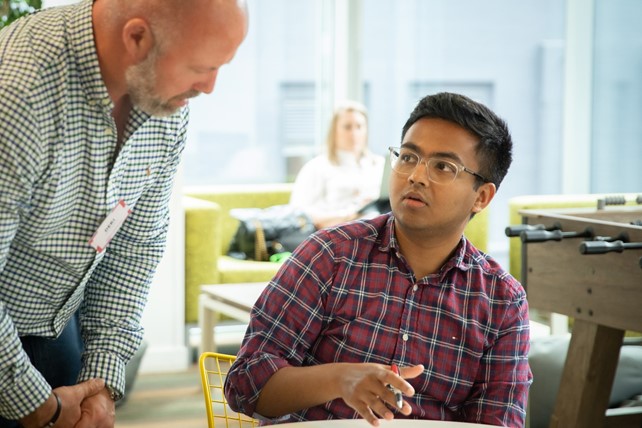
(440, 171)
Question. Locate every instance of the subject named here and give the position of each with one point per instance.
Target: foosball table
(586, 264)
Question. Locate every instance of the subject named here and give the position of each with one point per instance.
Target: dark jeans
(57, 359)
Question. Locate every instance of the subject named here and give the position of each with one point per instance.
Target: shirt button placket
(405, 336)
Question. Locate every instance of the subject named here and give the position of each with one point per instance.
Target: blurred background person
(332, 187)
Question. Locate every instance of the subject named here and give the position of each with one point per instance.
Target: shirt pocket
(140, 170)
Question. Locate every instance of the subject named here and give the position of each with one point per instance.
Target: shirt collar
(388, 240)
(464, 257)
(83, 47)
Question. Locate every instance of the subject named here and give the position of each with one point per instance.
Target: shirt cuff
(108, 367)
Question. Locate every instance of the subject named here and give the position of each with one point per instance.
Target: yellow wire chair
(214, 368)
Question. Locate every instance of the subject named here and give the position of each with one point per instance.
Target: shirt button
(405, 337)
(415, 287)
(109, 132)
(106, 101)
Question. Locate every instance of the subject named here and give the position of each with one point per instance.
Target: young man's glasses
(440, 170)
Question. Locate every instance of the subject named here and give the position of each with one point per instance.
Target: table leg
(206, 321)
(588, 375)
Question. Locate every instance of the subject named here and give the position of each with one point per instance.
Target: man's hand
(98, 411)
(71, 398)
(365, 388)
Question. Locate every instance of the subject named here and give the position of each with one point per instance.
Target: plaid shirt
(59, 178)
(347, 295)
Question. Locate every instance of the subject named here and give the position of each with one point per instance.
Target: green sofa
(209, 228)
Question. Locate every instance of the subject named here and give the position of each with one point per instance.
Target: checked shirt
(60, 175)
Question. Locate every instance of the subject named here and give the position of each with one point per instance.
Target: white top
(324, 189)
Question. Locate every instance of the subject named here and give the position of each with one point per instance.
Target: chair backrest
(214, 368)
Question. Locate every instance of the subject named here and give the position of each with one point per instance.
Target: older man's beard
(141, 82)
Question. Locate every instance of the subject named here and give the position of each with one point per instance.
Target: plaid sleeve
(24, 389)
(285, 322)
(500, 392)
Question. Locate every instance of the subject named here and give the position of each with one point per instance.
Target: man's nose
(206, 86)
(420, 174)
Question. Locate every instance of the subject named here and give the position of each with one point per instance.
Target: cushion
(234, 270)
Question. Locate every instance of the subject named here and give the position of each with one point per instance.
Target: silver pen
(398, 395)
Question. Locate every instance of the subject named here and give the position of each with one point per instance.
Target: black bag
(265, 232)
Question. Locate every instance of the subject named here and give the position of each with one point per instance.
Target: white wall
(164, 317)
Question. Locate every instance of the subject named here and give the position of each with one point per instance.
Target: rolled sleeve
(23, 387)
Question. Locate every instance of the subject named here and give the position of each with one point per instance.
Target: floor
(164, 400)
(175, 400)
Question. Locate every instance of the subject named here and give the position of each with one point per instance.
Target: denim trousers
(58, 360)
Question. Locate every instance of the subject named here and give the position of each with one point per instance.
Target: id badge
(110, 226)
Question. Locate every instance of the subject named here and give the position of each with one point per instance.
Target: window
(616, 131)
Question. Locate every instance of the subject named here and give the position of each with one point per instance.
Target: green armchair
(209, 229)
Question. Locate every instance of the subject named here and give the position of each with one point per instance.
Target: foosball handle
(512, 231)
(552, 235)
(601, 247)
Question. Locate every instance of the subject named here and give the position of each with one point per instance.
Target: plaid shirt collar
(464, 257)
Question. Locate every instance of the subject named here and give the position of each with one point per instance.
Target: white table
(233, 300)
(395, 423)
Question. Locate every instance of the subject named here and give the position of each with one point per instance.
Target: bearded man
(93, 116)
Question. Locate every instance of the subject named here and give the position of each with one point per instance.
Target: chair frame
(212, 380)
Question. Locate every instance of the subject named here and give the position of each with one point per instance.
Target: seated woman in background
(332, 187)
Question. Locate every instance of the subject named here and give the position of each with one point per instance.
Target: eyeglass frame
(395, 152)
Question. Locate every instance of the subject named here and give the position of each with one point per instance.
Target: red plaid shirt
(347, 295)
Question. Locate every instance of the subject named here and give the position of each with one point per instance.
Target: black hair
(495, 147)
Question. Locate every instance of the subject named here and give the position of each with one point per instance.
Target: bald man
(93, 120)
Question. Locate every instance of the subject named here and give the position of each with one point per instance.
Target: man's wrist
(113, 394)
(56, 414)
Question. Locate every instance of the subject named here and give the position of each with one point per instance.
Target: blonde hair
(331, 138)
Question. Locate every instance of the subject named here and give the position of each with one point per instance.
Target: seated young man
(404, 289)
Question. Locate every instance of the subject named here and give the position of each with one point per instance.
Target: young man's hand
(364, 387)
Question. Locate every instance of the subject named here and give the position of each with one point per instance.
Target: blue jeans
(57, 359)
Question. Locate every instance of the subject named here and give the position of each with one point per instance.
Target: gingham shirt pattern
(347, 295)
(59, 178)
